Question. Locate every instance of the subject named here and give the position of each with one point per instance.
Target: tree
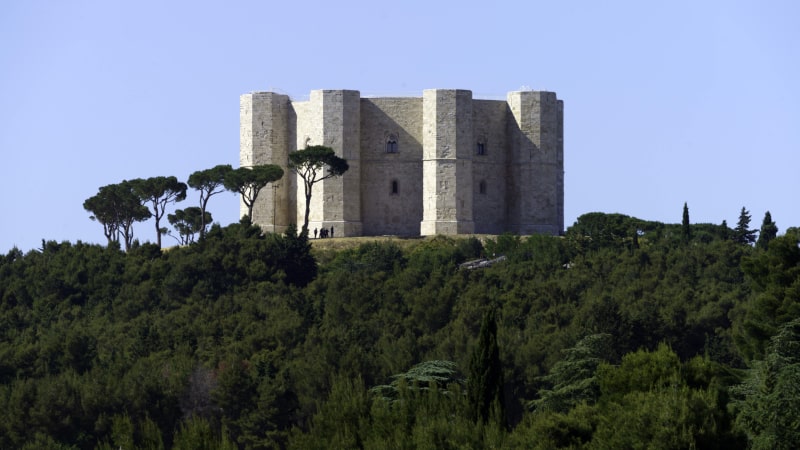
(485, 383)
(724, 230)
(768, 232)
(687, 229)
(189, 222)
(574, 379)
(422, 376)
(249, 182)
(768, 400)
(742, 233)
(159, 191)
(774, 277)
(117, 207)
(314, 164)
(209, 182)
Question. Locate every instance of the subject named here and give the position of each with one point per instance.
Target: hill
(622, 333)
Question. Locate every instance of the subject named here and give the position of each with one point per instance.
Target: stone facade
(443, 163)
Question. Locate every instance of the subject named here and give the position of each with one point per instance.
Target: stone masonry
(443, 163)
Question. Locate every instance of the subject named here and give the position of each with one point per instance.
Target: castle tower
(440, 164)
(332, 118)
(447, 145)
(263, 139)
(536, 163)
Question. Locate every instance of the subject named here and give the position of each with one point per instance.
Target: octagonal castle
(443, 163)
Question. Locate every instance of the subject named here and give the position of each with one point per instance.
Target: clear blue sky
(665, 102)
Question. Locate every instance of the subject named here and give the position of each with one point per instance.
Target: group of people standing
(323, 233)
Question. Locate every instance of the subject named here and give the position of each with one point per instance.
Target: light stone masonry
(444, 163)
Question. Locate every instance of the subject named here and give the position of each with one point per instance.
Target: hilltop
(622, 333)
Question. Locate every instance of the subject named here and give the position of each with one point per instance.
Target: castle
(443, 163)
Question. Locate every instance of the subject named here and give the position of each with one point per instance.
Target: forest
(623, 333)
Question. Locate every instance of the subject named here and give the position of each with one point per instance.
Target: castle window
(391, 144)
(481, 148)
(482, 187)
(395, 188)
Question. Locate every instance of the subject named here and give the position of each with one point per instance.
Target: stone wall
(263, 139)
(391, 197)
(440, 164)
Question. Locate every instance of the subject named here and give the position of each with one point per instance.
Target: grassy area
(325, 249)
(343, 243)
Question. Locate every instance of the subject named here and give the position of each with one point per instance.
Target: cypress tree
(687, 229)
(485, 383)
(768, 232)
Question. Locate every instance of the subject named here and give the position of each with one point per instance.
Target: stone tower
(441, 164)
(447, 162)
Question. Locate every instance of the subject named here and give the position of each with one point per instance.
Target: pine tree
(768, 232)
(485, 383)
(767, 401)
(687, 229)
(742, 233)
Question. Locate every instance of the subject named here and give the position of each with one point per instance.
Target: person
(331, 230)
(315, 233)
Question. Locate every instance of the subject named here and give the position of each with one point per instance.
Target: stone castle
(443, 163)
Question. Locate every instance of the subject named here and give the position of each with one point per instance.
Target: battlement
(443, 163)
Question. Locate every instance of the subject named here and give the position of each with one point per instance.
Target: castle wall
(263, 139)
(447, 145)
(332, 118)
(310, 131)
(456, 165)
(384, 210)
(489, 165)
(536, 163)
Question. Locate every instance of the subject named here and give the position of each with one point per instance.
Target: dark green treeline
(621, 334)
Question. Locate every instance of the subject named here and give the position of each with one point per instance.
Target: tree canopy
(768, 232)
(249, 181)
(117, 207)
(188, 223)
(313, 164)
(209, 182)
(247, 339)
(158, 192)
(742, 233)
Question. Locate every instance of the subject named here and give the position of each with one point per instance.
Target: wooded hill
(623, 333)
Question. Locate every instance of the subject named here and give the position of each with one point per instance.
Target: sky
(665, 102)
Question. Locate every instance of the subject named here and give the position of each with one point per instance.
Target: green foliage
(244, 339)
(436, 374)
(208, 182)
(768, 232)
(313, 164)
(485, 382)
(117, 207)
(197, 434)
(249, 181)
(596, 230)
(573, 379)
(158, 192)
(188, 222)
(775, 277)
(767, 401)
(686, 227)
(742, 234)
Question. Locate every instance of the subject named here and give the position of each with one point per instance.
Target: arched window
(391, 143)
(395, 188)
(482, 187)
